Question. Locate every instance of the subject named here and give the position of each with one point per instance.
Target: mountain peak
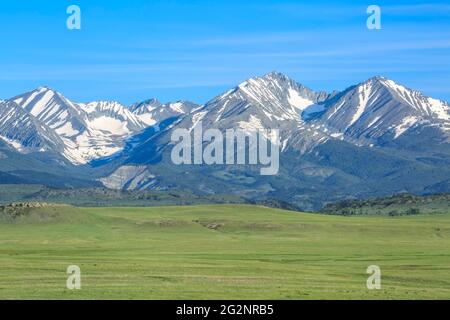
(150, 101)
(273, 80)
(266, 79)
(407, 95)
(44, 89)
(269, 98)
(389, 84)
(147, 102)
(378, 78)
(276, 75)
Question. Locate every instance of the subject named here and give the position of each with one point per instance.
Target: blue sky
(193, 50)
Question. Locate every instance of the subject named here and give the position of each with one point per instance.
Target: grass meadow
(224, 252)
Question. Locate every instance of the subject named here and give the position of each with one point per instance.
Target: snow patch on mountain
(440, 108)
(298, 101)
(197, 118)
(67, 130)
(364, 93)
(112, 117)
(405, 125)
(111, 125)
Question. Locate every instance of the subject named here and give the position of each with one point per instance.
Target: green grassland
(223, 252)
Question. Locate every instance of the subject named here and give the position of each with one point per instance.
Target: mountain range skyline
(67, 120)
(157, 100)
(376, 137)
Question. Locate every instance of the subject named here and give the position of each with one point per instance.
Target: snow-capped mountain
(152, 111)
(378, 109)
(273, 101)
(365, 140)
(80, 132)
(53, 110)
(85, 131)
(273, 97)
(323, 139)
(23, 131)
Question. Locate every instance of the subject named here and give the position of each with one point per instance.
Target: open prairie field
(223, 252)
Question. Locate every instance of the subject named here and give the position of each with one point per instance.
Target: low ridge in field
(397, 205)
(40, 212)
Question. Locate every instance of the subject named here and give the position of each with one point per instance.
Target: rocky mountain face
(374, 138)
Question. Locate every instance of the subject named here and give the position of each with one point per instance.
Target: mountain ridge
(389, 131)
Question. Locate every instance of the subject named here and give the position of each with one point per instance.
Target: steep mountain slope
(379, 110)
(53, 110)
(23, 131)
